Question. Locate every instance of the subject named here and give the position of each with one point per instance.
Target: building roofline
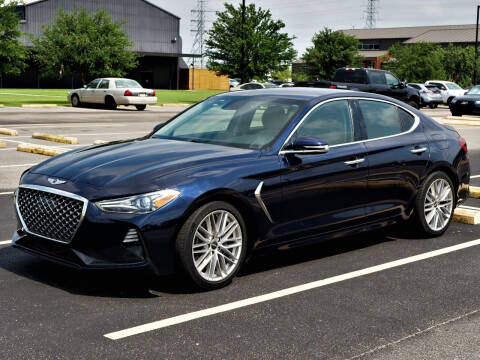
(145, 1)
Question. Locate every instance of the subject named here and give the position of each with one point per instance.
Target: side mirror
(307, 145)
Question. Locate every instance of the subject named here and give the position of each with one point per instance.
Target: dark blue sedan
(239, 172)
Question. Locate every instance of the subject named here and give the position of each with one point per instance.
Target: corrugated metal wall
(151, 29)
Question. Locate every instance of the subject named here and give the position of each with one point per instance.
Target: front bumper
(136, 100)
(465, 107)
(428, 100)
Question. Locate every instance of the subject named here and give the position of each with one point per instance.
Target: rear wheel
(434, 204)
(433, 106)
(141, 107)
(76, 101)
(110, 103)
(211, 245)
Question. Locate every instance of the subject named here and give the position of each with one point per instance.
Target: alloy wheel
(438, 205)
(217, 245)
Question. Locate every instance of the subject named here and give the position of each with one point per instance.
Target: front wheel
(211, 245)
(141, 107)
(76, 101)
(434, 204)
(433, 106)
(414, 104)
(456, 113)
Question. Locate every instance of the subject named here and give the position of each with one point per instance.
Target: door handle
(418, 150)
(354, 162)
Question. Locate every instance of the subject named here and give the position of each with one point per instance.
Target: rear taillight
(127, 93)
(463, 144)
(427, 92)
(153, 94)
(332, 87)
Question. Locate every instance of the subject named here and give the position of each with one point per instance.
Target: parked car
(234, 82)
(112, 92)
(254, 86)
(448, 89)
(287, 84)
(240, 172)
(468, 104)
(428, 96)
(369, 80)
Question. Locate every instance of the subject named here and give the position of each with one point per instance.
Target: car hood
(135, 162)
(467, 98)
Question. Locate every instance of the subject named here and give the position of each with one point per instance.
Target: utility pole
(242, 63)
(371, 12)
(198, 22)
(476, 49)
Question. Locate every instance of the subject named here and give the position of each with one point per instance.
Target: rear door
(398, 154)
(101, 91)
(325, 192)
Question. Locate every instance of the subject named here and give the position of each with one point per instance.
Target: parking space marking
(6, 193)
(474, 176)
(5, 242)
(17, 165)
(469, 207)
(136, 330)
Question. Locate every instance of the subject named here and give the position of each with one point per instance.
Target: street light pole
(476, 49)
(242, 62)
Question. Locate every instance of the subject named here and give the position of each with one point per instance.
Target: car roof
(298, 92)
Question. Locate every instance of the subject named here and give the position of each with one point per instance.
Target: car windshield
(238, 121)
(474, 91)
(126, 83)
(453, 86)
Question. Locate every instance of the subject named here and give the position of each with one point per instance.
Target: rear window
(126, 83)
(357, 76)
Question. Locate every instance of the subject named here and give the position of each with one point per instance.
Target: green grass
(17, 97)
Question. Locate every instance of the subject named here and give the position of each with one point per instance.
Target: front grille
(49, 214)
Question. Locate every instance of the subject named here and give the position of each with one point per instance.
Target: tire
(433, 106)
(414, 104)
(193, 236)
(141, 107)
(110, 103)
(433, 213)
(75, 101)
(456, 113)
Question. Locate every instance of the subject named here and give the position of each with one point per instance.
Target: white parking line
(88, 134)
(17, 165)
(469, 207)
(5, 242)
(281, 293)
(474, 176)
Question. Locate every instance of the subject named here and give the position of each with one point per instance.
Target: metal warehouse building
(154, 31)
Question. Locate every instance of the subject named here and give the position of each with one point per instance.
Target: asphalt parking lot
(385, 295)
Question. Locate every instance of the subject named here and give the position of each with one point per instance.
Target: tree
(12, 52)
(459, 63)
(331, 50)
(416, 62)
(283, 75)
(86, 45)
(266, 48)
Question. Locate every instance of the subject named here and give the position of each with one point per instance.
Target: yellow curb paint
(8, 132)
(466, 216)
(1, 105)
(38, 105)
(55, 138)
(99, 142)
(3, 144)
(40, 149)
(474, 192)
(471, 118)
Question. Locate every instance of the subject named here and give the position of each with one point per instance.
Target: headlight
(477, 102)
(139, 204)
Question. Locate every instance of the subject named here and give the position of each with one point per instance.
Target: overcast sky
(304, 17)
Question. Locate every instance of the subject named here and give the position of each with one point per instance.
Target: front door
(324, 192)
(88, 94)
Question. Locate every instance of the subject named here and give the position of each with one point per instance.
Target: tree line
(92, 45)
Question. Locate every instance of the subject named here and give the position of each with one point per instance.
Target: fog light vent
(131, 237)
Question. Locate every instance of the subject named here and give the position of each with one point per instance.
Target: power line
(371, 12)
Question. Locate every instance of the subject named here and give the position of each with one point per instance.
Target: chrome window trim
(413, 128)
(57, 192)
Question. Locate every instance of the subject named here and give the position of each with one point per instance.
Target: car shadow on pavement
(141, 283)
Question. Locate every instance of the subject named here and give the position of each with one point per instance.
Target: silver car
(429, 95)
(112, 92)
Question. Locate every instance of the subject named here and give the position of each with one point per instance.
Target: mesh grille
(50, 215)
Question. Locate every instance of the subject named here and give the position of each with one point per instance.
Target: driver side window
(392, 80)
(331, 122)
(93, 84)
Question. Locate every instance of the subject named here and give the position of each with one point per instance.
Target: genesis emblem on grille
(55, 181)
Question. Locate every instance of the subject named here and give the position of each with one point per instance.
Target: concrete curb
(3, 144)
(472, 118)
(38, 105)
(466, 216)
(175, 105)
(474, 192)
(459, 122)
(41, 149)
(9, 132)
(55, 138)
(99, 142)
